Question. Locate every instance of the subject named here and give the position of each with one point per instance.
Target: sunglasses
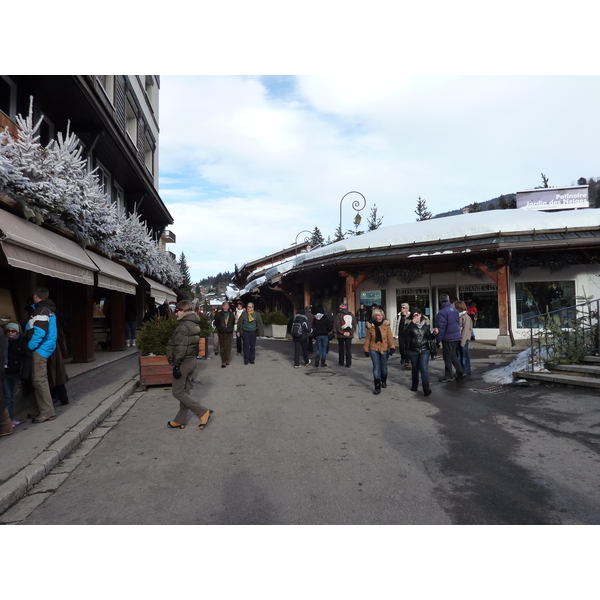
(10, 331)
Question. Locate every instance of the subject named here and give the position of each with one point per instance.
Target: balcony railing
(567, 334)
(168, 237)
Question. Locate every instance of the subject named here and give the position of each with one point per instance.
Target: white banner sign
(554, 198)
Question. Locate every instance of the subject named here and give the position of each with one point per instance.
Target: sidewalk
(31, 451)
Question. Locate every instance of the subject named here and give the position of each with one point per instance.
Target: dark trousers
(345, 350)
(238, 344)
(403, 350)
(450, 355)
(225, 340)
(300, 346)
(249, 338)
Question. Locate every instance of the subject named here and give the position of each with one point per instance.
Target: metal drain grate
(493, 389)
(321, 373)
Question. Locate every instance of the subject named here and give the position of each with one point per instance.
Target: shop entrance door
(450, 290)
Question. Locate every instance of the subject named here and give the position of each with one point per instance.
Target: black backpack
(297, 330)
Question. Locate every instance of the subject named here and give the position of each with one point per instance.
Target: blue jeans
(380, 362)
(420, 364)
(321, 341)
(10, 387)
(130, 327)
(465, 358)
(361, 329)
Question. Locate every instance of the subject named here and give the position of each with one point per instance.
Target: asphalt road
(315, 446)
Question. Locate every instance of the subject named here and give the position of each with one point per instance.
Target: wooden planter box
(155, 370)
(203, 348)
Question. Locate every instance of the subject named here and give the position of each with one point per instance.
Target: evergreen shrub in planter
(206, 329)
(152, 341)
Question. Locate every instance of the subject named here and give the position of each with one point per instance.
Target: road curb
(20, 484)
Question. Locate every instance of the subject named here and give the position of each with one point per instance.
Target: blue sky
(247, 162)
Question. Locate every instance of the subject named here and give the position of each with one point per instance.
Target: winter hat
(343, 306)
(13, 326)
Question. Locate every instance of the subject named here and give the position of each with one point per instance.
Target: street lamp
(355, 205)
(306, 239)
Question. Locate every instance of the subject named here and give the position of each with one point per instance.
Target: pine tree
(475, 207)
(338, 236)
(374, 222)
(185, 273)
(317, 238)
(422, 212)
(52, 184)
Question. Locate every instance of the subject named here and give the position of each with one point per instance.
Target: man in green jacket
(250, 324)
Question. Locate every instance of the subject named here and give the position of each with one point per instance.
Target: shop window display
(541, 297)
(484, 297)
(415, 298)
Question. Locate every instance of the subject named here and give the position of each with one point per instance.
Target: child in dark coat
(17, 365)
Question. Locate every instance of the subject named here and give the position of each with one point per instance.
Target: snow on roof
(478, 224)
(459, 226)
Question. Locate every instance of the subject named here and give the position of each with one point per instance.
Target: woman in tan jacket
(379, 346)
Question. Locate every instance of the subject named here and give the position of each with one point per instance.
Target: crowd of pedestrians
(33, 355)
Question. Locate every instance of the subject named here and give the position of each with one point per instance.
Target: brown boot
(6, 426)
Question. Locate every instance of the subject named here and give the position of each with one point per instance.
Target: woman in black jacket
(418, 335)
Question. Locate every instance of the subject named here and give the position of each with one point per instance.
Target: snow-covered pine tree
(52, 184)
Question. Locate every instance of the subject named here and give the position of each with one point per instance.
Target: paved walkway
(31, 451)
(107, 393)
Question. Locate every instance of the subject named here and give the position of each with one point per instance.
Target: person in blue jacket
(41, 334)
(447, 331)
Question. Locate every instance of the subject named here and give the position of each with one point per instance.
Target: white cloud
(251, 162)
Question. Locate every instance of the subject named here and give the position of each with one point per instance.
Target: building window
(107, 83)
(131, 122)
(485, 298)
(368, 298)
(540, 297)
(46, 130)
(119, 198)
(104, 179)
(415, 298)
(150, 89)
(149, 156)
(8, 97)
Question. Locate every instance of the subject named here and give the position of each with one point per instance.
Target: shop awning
(160, 292)
(28, 246)
(111, 275)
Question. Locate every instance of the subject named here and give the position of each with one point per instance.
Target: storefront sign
(412, 292)
(486, 287)
(371, 297)
(554, 198)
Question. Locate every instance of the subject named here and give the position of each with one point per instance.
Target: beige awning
(28, 246)
(160, 292)
(113, 276)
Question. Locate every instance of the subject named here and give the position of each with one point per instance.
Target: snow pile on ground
(522, 362)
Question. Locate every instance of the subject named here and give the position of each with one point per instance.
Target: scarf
(378, 338)
(250, 316)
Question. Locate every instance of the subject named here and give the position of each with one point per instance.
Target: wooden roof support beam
(486, 270)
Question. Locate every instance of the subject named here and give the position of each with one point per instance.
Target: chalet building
(512, 264)
(115, 118)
